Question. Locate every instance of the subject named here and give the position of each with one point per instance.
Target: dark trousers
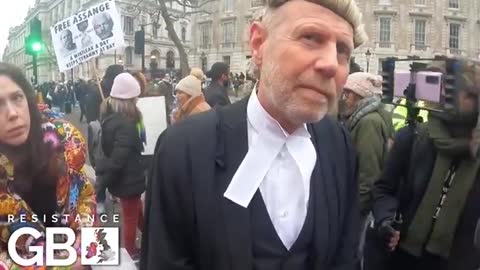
(82, 111)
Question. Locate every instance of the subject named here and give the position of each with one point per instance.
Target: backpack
(95, 150)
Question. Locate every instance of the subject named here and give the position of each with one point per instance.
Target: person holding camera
(427, 201)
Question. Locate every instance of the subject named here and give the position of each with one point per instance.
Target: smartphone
(429, 85)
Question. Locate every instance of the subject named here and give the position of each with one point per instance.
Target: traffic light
(34, 43)
(452, 70)
(140, 42)
(388, 70)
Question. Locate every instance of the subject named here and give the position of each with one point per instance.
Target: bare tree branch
(137, 7)
(53, 57)
(196, 5)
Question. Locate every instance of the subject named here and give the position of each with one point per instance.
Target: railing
(205, 46)
(454, 51)
(384, 44)
(228, 45)
(256, 3)
(419, 47)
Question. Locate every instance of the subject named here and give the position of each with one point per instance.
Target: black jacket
(93, 100)
(191, 225)
(216, 95)
(402, 186)
(121, 169)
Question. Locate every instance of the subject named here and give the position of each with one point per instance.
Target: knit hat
(197, 73)
(125, 86)
(364, 84)
(190, 85)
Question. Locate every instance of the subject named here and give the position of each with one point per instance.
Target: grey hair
(126, 107)
(347, 9)
(102, 16)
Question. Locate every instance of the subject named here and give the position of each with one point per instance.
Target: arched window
(155, 53)
(170, 60)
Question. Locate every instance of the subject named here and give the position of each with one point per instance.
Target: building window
(385, 32)
(226, 59)
(205, 31)
(454, 40)
(170, 63)
(420, 36)
(184, 34)
(128, 25)
(256, 3)
(129, 55)
(385, 2)
(227, 5)
(453, 4)
(228, 34)
(420, 2)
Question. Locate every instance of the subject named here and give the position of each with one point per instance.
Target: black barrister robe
(191, 225)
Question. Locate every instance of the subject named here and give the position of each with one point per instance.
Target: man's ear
(258, 36)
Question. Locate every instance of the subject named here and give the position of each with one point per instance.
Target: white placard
(154, 119)
(87, 34)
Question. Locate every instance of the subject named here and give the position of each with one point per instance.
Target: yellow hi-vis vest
(400, 114)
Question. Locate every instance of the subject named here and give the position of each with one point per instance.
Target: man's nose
(327, 62)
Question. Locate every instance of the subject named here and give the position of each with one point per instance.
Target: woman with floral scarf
(41, 169)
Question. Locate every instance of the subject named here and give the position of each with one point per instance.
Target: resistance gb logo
(100, 246)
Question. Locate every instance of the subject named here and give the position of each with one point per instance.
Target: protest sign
(87, 34)
(154, 118)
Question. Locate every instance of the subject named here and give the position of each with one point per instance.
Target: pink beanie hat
(364, 84)
(125, 86)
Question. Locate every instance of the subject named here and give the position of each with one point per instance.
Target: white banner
(87, 34)
(154, 118)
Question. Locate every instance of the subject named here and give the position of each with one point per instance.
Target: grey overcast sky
(12, 14)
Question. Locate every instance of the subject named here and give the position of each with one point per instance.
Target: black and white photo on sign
(85, 39)
(103, 25)
(87, 34)
(66, 38)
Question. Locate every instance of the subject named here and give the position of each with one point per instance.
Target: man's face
(350, 100)
(103, 27)
(66, 38)
(303, 55)
(225, 79)
(14, 113)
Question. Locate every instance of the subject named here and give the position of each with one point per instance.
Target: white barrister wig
(347, 9)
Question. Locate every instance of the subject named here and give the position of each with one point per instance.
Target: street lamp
(368, 54)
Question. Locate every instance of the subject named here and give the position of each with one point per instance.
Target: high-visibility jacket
(400, 113)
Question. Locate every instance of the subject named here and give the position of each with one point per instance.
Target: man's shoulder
(329, 125)
(331, 134)
(193, 128)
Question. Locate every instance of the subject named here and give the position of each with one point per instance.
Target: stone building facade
(395, 28)
(157, 43)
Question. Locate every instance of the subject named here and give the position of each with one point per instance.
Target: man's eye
(344, 51)
(311, 37)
